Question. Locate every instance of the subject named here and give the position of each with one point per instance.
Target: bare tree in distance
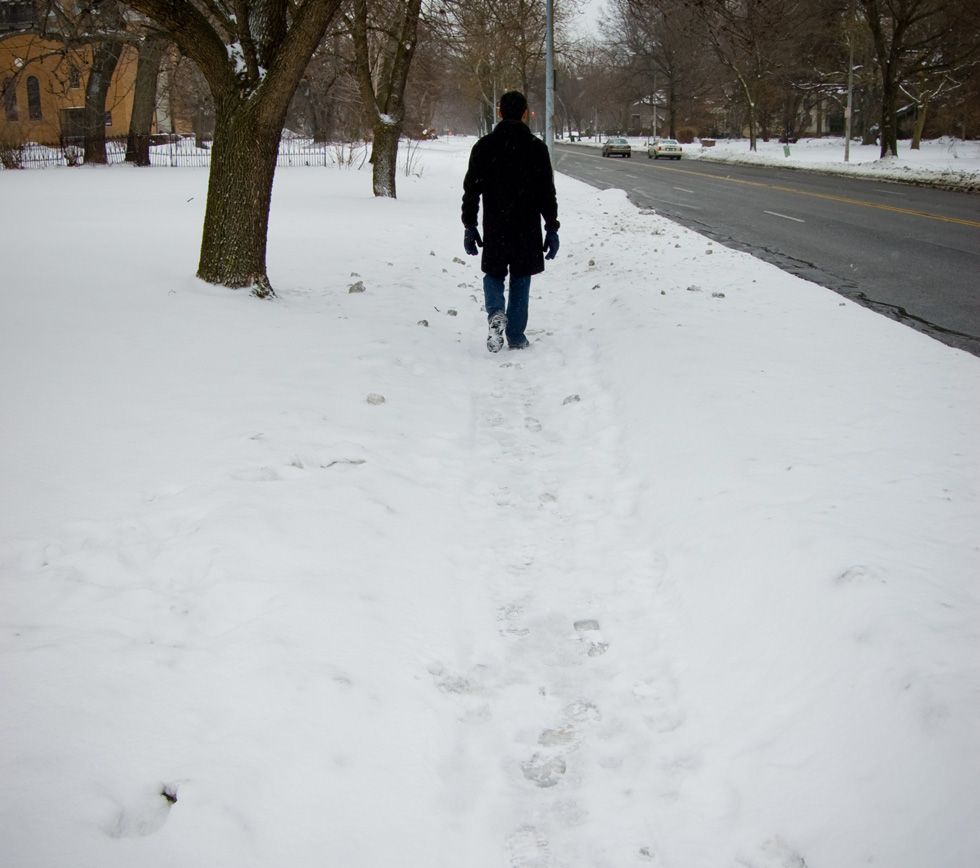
(752, 39)
(252, 55)
(499, 45)
(151, 50)
(917, 38)
(101, 30)
(384, 45)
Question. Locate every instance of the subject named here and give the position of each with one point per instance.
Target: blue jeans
(517, 296)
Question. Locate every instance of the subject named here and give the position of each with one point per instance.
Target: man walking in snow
(510, 168)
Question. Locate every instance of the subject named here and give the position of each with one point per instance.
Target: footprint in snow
(774, 853)
(547, 767)
(543, 770)
(512, 620)
(528, 848)
(258, 474)
(590, 636)
(532, 424)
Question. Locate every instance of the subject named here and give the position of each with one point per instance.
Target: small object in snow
(709, 251)
(354, 274)
(663, 292)
(432, 253)
(458, 261)
(423, 322)
(717, 295)
(375, 399)
(594, 288)
(841, 304)
(169, 792)
(462, 285)
(677, 246)
(351, 461)
(693, 288)
(452, 312)
(356, 287)
(591, 263)
(571, 399)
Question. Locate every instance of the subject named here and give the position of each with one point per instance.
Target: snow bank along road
(319, 582)
(912, 253)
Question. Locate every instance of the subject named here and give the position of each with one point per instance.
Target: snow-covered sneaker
(495, 340)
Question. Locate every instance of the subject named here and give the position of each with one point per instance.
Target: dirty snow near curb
(690, 583)
(941, 162)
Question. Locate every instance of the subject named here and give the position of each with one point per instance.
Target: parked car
(617, 146)
(666, 148)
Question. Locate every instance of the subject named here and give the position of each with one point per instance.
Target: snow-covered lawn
(691, 583)
(946, 161)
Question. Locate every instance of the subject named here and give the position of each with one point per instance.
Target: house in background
(42, 89)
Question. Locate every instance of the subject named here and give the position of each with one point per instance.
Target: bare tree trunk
(252, 64)
(144, 100)
(243, 163)
(384, 158)
(750, 105)
(922, 109)
(105, 57)
(889, 113)
(385, 101)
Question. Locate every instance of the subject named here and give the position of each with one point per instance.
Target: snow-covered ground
(945, 162)
(690, 583)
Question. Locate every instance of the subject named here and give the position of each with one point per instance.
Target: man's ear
(525, 116)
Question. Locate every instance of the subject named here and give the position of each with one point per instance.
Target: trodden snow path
(563, 718)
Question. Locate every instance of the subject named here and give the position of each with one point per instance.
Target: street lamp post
(849, 111)
(549, 84)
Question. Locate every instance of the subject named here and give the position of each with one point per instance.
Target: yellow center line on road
(863, 203)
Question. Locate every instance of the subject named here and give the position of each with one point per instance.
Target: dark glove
(551, 243)
(472, 240)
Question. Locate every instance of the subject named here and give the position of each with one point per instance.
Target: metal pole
(549, 84)
(850, 84)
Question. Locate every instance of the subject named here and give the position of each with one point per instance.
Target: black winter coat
(511, 170)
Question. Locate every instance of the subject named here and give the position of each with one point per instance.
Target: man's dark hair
(513, 104)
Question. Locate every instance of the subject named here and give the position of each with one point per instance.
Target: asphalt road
(911, 253)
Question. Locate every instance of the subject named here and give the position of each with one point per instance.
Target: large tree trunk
(253, 63)
(889, 113)
(144, 100)
(922, 109)
(105, 57)
(243, 164)
(384, 156)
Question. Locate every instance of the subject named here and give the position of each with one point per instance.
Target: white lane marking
(684, 190)
(784, 216)
(675, 204)
(892, 193)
